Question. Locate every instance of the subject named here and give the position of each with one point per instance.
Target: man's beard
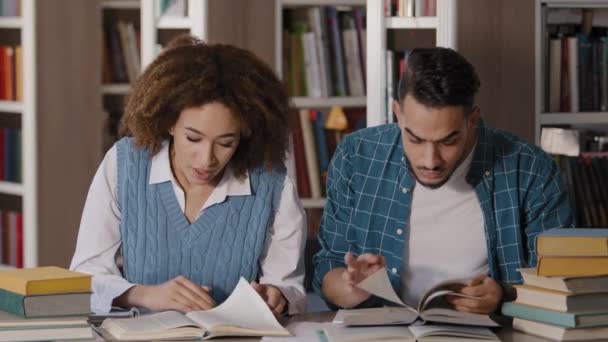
(434, 186)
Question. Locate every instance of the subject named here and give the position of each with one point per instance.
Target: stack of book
(565, 297)
(44, 303)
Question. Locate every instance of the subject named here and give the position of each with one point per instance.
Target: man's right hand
(178, 294)
(338, 284)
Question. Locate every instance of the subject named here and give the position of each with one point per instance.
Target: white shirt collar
(229, 185)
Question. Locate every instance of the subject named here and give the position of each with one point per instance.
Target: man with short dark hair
(436, 196)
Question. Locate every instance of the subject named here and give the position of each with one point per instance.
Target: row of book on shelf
(576, 62)
(121, 52)
(315, 135)
(410, 8)
(324, 51)
(10, 8)
(11, 238)
(565, 298)
(11, 73)
(587, 185)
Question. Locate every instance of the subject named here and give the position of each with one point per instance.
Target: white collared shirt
(281, 262)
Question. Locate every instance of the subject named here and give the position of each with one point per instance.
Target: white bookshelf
(444, 24)
(596, 120)
(151, 22)
(27, 189)
(302, 102)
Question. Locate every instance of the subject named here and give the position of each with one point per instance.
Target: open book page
(466, 332)
(432, 307)
(158, 325)
(243, 313)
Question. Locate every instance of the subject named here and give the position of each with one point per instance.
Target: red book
(19, 239)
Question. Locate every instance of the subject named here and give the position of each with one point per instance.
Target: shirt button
(404, 190)
(394, 270)
(399, 231)
(487, 173)
(402, 158)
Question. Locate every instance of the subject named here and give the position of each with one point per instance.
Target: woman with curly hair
(196, 195)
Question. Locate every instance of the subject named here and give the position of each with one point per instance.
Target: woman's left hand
(272, 296)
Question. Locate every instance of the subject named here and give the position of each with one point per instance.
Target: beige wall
(497, 36)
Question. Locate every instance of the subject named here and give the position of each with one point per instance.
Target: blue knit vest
(158, 242)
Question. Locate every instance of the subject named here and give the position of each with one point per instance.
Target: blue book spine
(564, 319)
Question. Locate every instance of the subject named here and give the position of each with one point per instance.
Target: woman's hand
(178, 294)
(272, 296)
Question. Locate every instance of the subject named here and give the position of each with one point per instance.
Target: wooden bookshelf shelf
(582, 118)
(310, 3)
(115, 89)
(412, 23)
(121, 4)
(347, 101)
(11, 188)
(11, 107)
(313, 203)
(174, 23)
(11, 22)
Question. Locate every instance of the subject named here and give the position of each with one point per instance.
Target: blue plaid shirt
(369, 196)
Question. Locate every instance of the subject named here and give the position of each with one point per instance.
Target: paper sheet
(379, 285)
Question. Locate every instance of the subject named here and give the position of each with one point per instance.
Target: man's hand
(178, 294)
(357, 269)
(484, 287)
(272, 296)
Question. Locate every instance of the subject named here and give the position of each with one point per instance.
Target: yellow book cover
(44, 280)
(572, 266)
(573, 242)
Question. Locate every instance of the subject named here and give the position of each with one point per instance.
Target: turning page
(432, 306)
(243, 313)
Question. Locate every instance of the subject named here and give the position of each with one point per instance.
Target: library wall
(497, 36)
(69, 139)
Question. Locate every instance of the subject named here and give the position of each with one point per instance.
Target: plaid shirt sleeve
(336, 217)
(547, 206)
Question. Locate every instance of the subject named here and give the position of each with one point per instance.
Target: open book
(432, 307)
(244, 313)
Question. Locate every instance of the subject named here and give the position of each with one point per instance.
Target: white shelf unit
(578, 119)
(444, 24)
(10, 22)
(151, 22)
(13, 107)
(26, 110)
(301, 102)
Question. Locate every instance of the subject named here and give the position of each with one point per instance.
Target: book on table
(243, 313)
(596, 284)
(16, 328)
(412, 333)
(44, 281)
(432, 307)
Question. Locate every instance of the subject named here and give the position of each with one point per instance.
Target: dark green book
(66, 304)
